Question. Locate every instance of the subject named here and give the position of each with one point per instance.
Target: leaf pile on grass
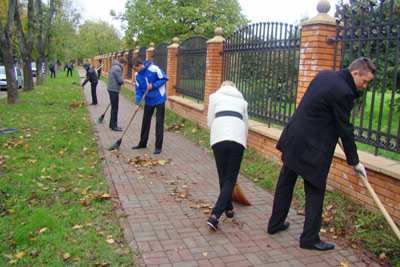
(54, 205)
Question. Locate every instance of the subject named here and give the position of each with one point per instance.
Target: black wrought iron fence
(160, 56)
(192, 54)
(130, 56)
(372, 32)
(262, 60)
(142, 53)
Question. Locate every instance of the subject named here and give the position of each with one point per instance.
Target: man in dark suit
(308, 143)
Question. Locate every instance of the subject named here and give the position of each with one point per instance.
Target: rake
(119, 141)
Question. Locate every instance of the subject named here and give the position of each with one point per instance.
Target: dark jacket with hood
(309, 139)
(116, 77)
(90, 76)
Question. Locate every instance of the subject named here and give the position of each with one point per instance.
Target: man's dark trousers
(52, 73)
(69, 71)
(146, 122)
(228, 157)
(94, 95)
(114, 100)
(283, 198)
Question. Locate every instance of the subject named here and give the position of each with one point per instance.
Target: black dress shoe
(319, 246)
(138, 147)
(93, 104)
(117, 129)
(157, 151)
(284, 226)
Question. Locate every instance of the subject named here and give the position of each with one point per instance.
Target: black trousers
(69, 71)
(98, 74)
(52, 73)
(94, 95)
(228, 157)
(283, 198)
(114, 100)
(146, 123)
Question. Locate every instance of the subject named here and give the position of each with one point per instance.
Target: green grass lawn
(54, 206)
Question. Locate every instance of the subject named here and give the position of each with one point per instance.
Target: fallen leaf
(344, 264)
(110, 241)
(42, 230)
(205, 254)
(77, 227)
(382, 256)
(66, 256)
(20, 255)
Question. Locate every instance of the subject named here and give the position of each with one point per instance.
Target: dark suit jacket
(323, 115)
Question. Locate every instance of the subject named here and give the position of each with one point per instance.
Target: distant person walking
(69, 69)
(150, 76)
(308, 142)
(115, 81)
(52, 69)
(92, 78)
(99, 68)
(228, 120)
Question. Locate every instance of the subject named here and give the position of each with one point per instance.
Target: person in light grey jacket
(228, 119)
(115, 81)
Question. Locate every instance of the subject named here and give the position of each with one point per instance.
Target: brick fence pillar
(213, 67)
(149, 52)
(172, 66)
(317, 49)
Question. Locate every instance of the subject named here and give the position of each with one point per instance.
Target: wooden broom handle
(377, 201)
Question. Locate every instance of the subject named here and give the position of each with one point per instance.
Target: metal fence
(192, 54)
(142, 53)
(371, 32)
(130, 56)
(160, 56)
(262, 60)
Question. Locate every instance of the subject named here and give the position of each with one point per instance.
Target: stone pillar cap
(151, 48)
(217, 39)
(323, 8)
(175, 43)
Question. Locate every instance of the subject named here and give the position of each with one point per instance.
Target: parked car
(33, 68)
(3, 78)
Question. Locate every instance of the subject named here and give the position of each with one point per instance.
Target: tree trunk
(26, 44)
(12, 89)
(6, 51)
(28, 78)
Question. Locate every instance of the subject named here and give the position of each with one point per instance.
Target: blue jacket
(151, 74)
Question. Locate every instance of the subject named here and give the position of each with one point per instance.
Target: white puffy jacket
(227, 128)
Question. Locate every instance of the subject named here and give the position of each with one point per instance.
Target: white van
(3, 78)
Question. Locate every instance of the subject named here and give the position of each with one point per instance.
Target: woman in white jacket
(228, 120)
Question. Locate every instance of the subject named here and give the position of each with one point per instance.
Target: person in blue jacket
(151, 77)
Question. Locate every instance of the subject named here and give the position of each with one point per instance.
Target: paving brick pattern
(163, 230)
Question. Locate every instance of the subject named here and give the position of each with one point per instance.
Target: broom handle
(377, 201)
(109, 104)
(380, 206)
(133, 116)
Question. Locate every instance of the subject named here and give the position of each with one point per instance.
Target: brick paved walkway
(162, 206)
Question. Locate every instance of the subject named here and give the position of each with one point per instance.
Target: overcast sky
(288, 11)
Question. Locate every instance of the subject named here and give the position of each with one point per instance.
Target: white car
(3, 78)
